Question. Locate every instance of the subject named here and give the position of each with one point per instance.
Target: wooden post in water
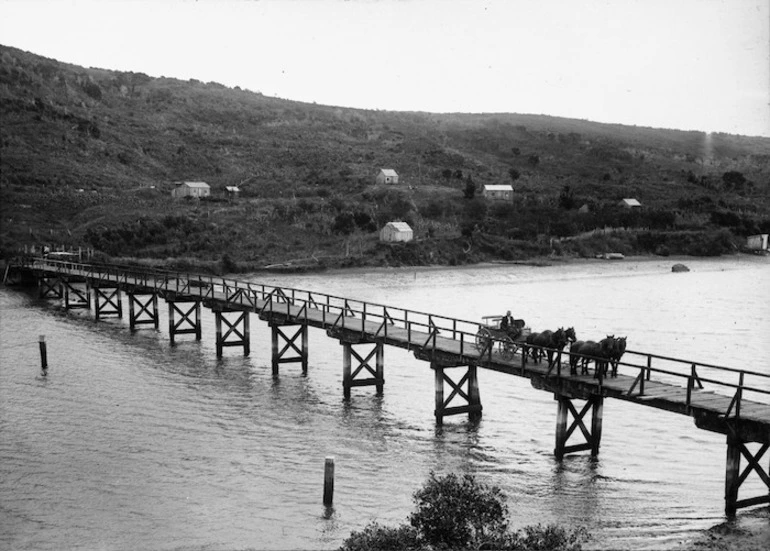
(329, 481)
(474, 396)
(198, 324)
(246, 334)
(380, 369)
(439, 379)
(596, 424)
(218, 323)
(732, 474)
(155, 312)
(274, 331)
(43, 356)
(561, 426)
(347, 376)
(131, 313)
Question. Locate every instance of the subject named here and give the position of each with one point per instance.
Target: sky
(686, 64)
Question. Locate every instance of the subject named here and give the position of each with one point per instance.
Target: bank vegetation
(90, 157)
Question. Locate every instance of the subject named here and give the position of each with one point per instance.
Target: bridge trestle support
(186, 324)
(734, 477)
(138, 307)
(593, 438)
(470, 394)
(350, 377)
(107, 302)
(50, 287)
(75, 297)
(285, 347)
(237, 333)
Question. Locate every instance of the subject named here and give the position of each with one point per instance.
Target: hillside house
(757, 243)
(396, 231)
(630, 204)
(503, 192)
(386, 176)
(191, 189)
(232, 192)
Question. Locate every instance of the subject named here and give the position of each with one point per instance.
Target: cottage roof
(388, 172)
(631, 202)
(233, 189)
(399, 226)
(197, 184)
(498, 187)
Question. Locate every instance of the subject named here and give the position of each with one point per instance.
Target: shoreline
(537, 262)
(749, 531)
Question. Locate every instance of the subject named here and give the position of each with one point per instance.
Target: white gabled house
(191, 189)
(387, 176)
(630, 203)
(502, 192)
(757, 243)
(396, 231)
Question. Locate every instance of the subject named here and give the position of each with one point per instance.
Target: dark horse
(587, 351)
(618, 349)
(575, 351)
(551, 341)
(601, 355)
(607, 351)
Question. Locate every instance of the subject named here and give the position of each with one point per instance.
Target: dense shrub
(383, 538)
(93, 90)
(459, 513)
(469, 192)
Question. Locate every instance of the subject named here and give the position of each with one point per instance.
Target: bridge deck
(449, 342)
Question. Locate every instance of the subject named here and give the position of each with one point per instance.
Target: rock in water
(679, 268)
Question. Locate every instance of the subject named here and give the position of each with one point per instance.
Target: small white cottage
(396, 231)
(191, 189)
(387, 176)
(502, 192)
(630, 203)
(757, 243)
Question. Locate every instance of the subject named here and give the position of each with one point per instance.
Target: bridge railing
(423, 330)
(736, 384)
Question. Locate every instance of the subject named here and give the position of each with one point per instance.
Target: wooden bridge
(729, 401)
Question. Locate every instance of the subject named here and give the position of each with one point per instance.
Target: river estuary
(131, 443)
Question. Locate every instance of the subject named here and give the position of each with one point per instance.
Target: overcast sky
(688, 64)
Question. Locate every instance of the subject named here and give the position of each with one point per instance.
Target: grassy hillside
(89, 157)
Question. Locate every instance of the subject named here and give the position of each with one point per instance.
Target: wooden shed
(387, 176)
(503, 192)
(396, 231)
(191, 189)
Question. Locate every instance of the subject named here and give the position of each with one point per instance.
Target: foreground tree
(460, 513)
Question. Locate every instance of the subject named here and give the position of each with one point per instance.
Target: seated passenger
(507, 323)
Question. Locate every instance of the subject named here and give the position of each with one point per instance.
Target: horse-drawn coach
(491, 332)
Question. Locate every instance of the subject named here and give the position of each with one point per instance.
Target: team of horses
(605, 354)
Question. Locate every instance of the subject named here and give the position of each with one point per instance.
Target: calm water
(133, 444)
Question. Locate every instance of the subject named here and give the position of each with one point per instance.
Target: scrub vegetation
(460, 513)
(89, 158)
